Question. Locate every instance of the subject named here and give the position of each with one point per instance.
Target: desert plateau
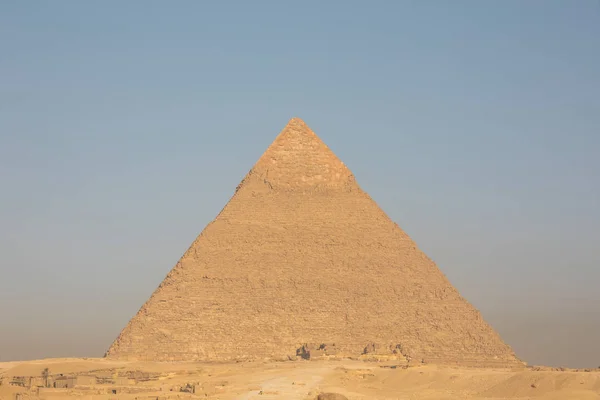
(102, 379)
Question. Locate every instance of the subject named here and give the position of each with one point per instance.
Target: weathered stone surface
(301, 254)
(331, 396)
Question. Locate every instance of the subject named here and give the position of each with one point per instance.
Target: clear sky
(126, 126)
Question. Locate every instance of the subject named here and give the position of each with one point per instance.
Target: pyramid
(301, 255)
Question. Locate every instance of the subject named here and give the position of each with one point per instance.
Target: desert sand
(301, 379)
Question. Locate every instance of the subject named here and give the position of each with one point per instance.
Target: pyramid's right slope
(301, 254)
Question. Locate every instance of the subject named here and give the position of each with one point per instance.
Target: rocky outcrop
(308, 351)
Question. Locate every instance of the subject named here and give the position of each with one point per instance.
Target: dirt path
(290, 384)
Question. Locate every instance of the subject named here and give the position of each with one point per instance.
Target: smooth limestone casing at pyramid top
(300, 254)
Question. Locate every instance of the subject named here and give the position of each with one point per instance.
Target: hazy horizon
(125, 128)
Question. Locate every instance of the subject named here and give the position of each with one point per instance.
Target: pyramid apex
(296, 124)
(298, 158)
(296, 121)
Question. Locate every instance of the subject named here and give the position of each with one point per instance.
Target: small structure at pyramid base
(301, 262)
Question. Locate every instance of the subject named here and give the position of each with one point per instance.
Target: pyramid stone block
(299, 255)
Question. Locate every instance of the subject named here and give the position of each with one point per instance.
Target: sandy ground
(303, 380)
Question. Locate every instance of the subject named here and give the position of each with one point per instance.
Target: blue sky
(126, 126)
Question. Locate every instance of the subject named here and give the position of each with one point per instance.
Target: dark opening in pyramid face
(301, 260)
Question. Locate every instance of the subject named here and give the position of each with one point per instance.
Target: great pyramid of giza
(301, 255)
